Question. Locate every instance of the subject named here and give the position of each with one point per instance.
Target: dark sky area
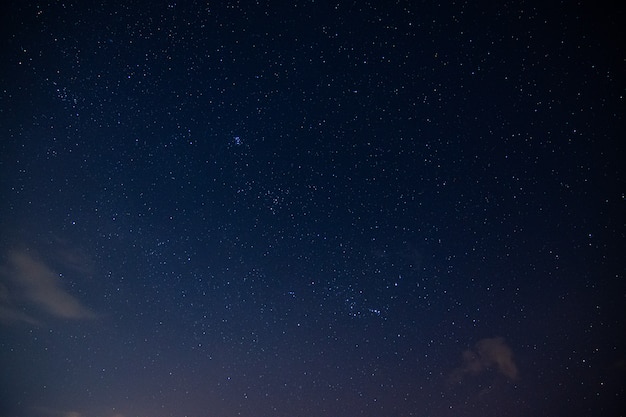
(312, 209)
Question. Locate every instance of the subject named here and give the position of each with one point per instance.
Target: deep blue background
(311, 209)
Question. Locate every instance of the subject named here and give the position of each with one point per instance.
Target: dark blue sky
(311, 209)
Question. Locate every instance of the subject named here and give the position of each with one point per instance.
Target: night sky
(312, 209)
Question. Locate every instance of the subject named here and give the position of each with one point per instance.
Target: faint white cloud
(489, 353)
(11, 314)
(29, 286)
(39, 411)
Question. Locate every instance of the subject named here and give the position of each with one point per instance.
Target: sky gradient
(312, 209)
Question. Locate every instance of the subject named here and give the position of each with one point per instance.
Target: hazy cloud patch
(39, 411)
(29, 286)
(488, 353)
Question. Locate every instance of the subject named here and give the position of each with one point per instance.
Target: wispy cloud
(29, 287)
(52, 412)
(489, 353)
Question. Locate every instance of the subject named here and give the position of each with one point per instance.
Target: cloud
(27, 282)
(489, 353)
(40, 411)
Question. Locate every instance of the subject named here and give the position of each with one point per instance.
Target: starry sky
(310, 209)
